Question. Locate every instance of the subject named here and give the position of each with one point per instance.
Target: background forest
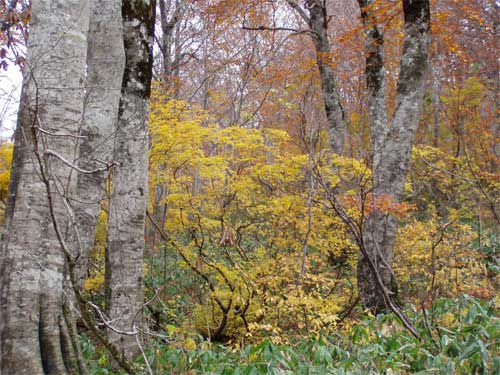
(263, 177)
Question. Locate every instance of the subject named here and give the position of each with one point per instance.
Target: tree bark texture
(105, 64)
(33, 332)
(391, 146)
(375, 78)
(127, 208)
(335, 115)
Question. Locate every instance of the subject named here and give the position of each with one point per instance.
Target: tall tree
(34, 331)
(392, 144)
(316, 17)
(105, 62)
(171, 15)
(127, 207)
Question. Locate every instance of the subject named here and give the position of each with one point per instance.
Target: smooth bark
(391, 146)
(335, 114)
(127, 207)
(105, 64)
(34, 337)
(316, 17)
(375, 78)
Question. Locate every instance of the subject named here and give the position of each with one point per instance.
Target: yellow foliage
(93, 284)
(237, 208)
(189, 344)
(428, 254)
(95, 281)
(273, 256)
(6, 150)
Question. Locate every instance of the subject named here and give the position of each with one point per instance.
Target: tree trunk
(105, 64)
(335, 115)
(392, 148)
(34, 337)
(127, 208)
(375, 79)
(436, 105)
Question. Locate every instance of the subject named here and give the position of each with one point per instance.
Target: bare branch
(299, 11)
(47, 153)
(268, 28)
(41, 130)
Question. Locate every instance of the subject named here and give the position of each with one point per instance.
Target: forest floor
(457, 336)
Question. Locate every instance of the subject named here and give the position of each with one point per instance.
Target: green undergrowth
(458, 336)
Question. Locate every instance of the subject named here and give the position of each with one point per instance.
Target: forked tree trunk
(105, 64)
(34, 335)
(127, 208)
(391, 146)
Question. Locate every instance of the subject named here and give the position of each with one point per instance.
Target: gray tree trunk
(391, 146)
(375, 79)
(317, 20)
(34, 336)
(335, 115)
(127, 208)
(436, 104)
(105, 64)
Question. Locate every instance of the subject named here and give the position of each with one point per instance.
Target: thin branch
(268, 28)
(41, 130)
(299, 11)
(75, 167)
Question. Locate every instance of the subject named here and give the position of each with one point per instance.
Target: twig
(47, 153)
